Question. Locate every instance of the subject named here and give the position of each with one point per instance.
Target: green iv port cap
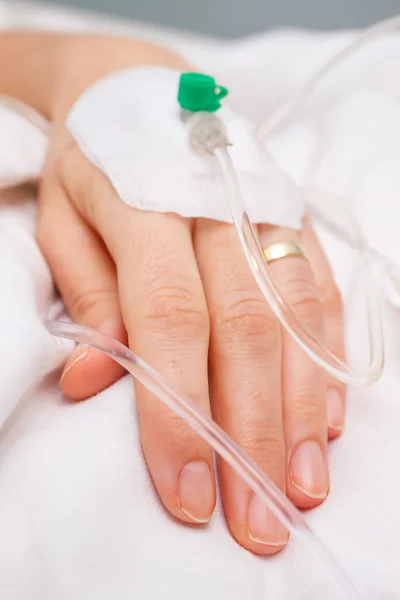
(200, 92)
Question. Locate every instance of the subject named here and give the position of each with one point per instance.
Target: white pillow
(23, 143)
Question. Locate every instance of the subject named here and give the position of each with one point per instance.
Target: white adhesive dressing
(129, 124)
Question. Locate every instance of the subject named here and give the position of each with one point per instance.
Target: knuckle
(266, 447)
(85, 302)
(180, 439)
(302, 295)
(331, 297)
(176, 437)
(307, 408)
(174, 308)
(248, 320)
(175, 432)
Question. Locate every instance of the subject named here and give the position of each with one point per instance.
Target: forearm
(48, 71)
(28, 67)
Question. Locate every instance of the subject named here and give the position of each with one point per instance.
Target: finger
(304, 383)
(333, 326)
(169, 328)
(165, 314)
(245, 376)
(85, 276)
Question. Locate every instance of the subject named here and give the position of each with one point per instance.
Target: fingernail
(335, 410)
(308, 470)
(196, 497)
(79, 354)
(110, 326)
(262, 525)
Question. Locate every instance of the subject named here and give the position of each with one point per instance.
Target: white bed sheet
(79, 518)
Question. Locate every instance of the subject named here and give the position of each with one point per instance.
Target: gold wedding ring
(282, 250)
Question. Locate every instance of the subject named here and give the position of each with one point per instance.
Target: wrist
(50, 71)
(86, 59)
(29, 66)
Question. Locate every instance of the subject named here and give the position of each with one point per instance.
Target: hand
(181, 293)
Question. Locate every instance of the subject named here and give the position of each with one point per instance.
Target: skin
(180, 293)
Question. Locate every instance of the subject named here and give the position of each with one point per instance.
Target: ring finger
(303, 382)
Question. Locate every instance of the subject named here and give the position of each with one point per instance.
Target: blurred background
(231, 18)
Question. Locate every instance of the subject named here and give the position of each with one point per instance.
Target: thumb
(85, 276)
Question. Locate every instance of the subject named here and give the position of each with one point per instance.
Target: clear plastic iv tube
(283, 310)
(255, 478)
(207, 133)
(284, 113)
(333, 212)
(280, 119)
